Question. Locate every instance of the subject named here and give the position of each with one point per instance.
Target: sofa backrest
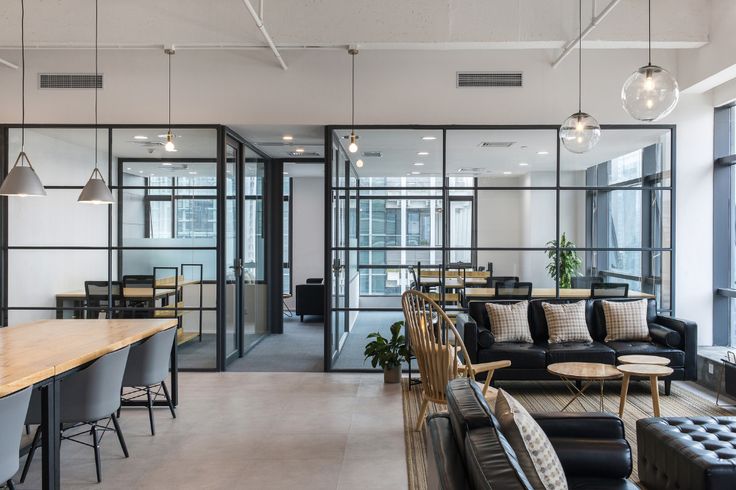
(594, 315)
(489, 460)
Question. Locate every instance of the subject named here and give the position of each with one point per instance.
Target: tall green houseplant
(569, 261)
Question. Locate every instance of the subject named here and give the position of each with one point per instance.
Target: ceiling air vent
(69, 80)
(303, 154)
(496, 144)
(489, 79)
(372, 154)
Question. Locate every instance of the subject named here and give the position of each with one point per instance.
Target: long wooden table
(42, 353)
(566, 293)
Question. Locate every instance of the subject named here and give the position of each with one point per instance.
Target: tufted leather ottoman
(687, 453)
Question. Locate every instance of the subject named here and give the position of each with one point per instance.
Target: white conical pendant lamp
(353, 146)
(22, 180)
(580, 132)
(651, 92)
(96, 190)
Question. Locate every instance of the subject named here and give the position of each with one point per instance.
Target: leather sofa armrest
(689, 341)
(665, 336)
(588, 425)
(467, 327)
(600, 458)
(445, 467)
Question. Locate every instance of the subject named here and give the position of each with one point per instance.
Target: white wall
(308, 228)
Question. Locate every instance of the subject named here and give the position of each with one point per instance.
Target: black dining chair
(13, 409)
(492, 281)
(146, 371)
(584, 282)
(609, 290)
(138, 281)
(98, 295)
(515, 290)
(89, 398)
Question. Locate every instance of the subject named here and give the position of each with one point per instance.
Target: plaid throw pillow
(566, 322)
(626, 320)
(509, 323)
(535, 453)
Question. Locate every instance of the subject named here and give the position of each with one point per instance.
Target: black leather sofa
(467, 450)
(672, 338)
(310, 298)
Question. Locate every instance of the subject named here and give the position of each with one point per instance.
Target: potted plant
(569, 261)
(388, 353)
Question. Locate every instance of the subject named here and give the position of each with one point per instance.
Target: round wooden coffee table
(651, 371)
(589, 373)
(643, 359)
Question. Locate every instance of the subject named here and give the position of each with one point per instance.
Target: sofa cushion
(566, 322)
(626, 320)
(509, 322)
(627, 348)
(597, 318)
(580, 352)
(533, 449)
(521, 355)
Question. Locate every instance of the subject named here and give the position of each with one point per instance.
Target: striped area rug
(543, 396)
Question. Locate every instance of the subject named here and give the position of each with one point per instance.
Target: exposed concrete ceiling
(383, 24)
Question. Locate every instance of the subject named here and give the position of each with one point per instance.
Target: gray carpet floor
(352, 356)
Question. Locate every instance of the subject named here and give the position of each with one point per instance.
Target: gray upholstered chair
(89, 397)
(148, 366)
(13, 410)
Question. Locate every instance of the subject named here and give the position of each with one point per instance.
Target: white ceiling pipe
(8, 64)
(593, 24)
(269, 41)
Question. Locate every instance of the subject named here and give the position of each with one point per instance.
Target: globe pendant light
(169, 146)
(651, 92)
(353, 146)
(580, 132)
(22, 180)
(96, 191)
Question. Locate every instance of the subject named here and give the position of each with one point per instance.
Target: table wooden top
(645, 369)
(643, 359)
(33, 352)
(128, 293)
(584, 370)
(567, 293)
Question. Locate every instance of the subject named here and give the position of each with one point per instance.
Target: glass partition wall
(166, 232)
(444, 209)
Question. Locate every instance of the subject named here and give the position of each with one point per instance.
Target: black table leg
(175, 373)
(59, 308)
(50, 436)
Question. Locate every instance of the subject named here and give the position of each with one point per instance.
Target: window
(181, 207)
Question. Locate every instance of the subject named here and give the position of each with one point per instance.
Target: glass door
(233, 257)
(338, 300)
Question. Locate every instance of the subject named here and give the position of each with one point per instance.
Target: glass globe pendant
(651, 92)
(580, 132)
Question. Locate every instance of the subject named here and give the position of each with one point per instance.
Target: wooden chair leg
(489, 376)
(422, 414)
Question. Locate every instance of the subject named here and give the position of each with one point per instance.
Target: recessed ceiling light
(422, 153)
(286, 173)
(140, 171)
(418, 164)
(192, 173)
(140, 137)
(166, 164)
(507, 173)
(429, 138)
(127, 168)
(162, 135)
(416, 173)
(299, 150)
(523, 164)
(543, 152)
(287, 137)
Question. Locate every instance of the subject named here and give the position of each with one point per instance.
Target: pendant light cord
(650, 32)
(352, 96)
(169, 55)
(97, 76)
(580, 56)
(23, 76)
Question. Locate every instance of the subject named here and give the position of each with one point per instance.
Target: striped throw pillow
(626, 320)
(566, 322)
(509, 323)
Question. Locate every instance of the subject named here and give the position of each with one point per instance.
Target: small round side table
(651, 371)
(643, 359)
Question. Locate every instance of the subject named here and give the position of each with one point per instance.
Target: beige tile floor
(255, 431)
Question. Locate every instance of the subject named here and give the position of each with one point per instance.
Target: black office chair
(507, 280)
(609, 290)
(516, 290)
(584, 282)
(89, 397)
(147, 368)
(138, 281)
(13, 409)
(98, 295)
